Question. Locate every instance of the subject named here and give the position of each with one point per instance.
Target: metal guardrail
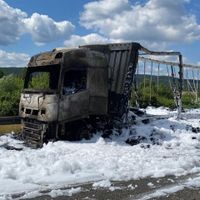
(10, 120)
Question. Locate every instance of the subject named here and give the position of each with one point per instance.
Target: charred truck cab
(69, 93)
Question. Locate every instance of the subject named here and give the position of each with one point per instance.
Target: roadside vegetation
(1, 74)
(161, 95)
(11, 86)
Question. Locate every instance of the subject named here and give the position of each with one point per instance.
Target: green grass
(4, 129)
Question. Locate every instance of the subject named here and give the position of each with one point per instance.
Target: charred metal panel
(84, 58)
(121, 57)
(98, 88)
(98, 105)
(41, 107)
(48, 58)
(98, 82)
(111, 68)
(116, 69)
(74, 106)
(122, 72)
(95, 64)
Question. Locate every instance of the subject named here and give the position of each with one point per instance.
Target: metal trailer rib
(168, 62)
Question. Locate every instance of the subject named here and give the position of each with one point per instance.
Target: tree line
(12, 85)
(150, 93)
(10, 89)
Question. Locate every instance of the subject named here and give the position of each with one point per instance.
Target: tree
(10, 88)
(1, 74)
(153, 95)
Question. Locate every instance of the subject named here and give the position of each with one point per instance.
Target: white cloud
(43, 29)
(102, 9)
(11, 25)
(93, 38)
(157, 21)
(13, 59)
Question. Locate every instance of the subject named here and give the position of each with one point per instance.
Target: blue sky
(64, 10)
(28, 27)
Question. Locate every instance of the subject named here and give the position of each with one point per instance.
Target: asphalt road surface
(133, 190)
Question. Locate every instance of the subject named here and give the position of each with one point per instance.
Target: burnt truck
(70, 93)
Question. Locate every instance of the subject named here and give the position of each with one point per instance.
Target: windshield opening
(42, 78)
